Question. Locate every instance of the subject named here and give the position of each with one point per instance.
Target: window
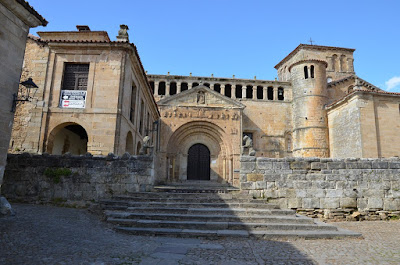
(260, 92)
(305, 72)
(75, 76)
(280, 93)
(270, 93)
(172, 88)
(161, 88)
(184, 86)
(249, 92)
(217, 88)
(133, 104)
(228, 90)
(238, 91)
(312, 71)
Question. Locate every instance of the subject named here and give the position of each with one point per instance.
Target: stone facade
(324, 184)
(75, 179)
(118, 111)
(16, 17)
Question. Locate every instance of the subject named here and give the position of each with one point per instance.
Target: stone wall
(325, 186)
(46, 177)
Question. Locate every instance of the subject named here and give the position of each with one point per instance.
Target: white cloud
(393, 83)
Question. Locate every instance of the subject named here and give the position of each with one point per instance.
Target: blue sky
(244, 38)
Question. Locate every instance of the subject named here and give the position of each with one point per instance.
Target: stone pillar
(275, 93)
(244, 88)
(167, 86)
(233, 91)
(178, 87)
(254, 92)
(190, 86)
(156, 88)
(223, 90)
(265, 93)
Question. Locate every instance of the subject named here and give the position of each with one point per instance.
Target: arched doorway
(198, 167)
(68, 138)
(129, 143)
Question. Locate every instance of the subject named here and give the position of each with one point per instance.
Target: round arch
(198, 132)
(68, 137)
(129, 143)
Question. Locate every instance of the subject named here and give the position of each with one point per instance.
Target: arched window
(238, 91)
(207, 85)
(305, 72)
(270, 93)
(195, 85)
(228, 91)
(280, 93)
(217, 88)
(172, 88)
(343, 61)
(184, 86)
(335, 63)
(129, 143)
(312, 71)
(260, 92)
(249, 91)
(161, 88)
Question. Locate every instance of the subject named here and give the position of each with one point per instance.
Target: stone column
(244, 88)
(275, 93)
(255, 92)
(167, 86)
(265, 93)
(156, 88)
(178, 87)
(223, 90)
(190, 86)
(233, 91)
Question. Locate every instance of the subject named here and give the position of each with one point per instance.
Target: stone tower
(310, 126)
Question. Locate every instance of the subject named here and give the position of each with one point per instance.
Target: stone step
(190, 200)
(268, 234)
(206, 225)
(209, 217)
(109, 204)
(215, 211)
(177, 195)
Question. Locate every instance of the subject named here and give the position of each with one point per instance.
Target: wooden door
(198, 163)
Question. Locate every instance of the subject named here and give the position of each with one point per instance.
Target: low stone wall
(81, 179)
(327, 188)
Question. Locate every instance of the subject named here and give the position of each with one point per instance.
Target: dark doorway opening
(198, 162)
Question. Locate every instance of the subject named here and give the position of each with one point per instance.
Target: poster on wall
(75, 99)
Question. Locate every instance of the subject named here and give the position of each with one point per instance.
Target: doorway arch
(67, 138)
(198, 163)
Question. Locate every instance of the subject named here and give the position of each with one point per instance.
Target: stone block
(270, 185)
(248, 159)
(264, 165)
(281, 165)
(301, 193)
(255, 177)
(323, 184)
(261, 185)
(247, 185)
(358, 165)
(394, 165)
(316, 193)
(310, 203)
(318, 166)
(243, 177)
(379, 165)
(336, 165)
(391, 204)
(330, 203)
(300, 165)
(334, 193)
(247, 167)
(294, 203)
(375, 203)
(348, 202)
(362, 203)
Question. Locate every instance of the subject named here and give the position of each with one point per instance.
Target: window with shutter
(75, 76)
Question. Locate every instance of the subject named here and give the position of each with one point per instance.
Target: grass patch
(56, 173)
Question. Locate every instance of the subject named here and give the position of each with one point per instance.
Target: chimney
(123, 33)
(82, 28)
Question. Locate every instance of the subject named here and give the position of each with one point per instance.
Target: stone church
(94, 96)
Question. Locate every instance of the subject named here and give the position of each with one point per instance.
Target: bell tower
(310, 125)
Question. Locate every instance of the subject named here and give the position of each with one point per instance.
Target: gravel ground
(50, 235)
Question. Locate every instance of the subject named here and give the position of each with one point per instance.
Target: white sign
(75, 99)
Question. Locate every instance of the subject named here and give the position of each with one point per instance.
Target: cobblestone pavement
(50, 235)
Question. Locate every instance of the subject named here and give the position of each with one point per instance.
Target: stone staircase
(212, 212)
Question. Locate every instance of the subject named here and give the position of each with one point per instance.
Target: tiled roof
(313, 47)
(31, 10)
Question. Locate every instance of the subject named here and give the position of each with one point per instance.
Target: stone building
(318, 107)
(16, 17)
(93, 95)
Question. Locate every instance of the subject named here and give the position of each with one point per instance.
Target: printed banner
(73, 99)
